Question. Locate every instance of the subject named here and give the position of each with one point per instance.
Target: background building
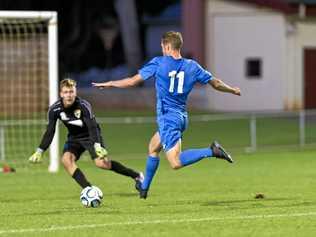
(266, 47)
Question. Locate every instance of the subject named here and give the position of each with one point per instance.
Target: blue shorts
(171, 125)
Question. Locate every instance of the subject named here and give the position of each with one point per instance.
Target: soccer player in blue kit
(175, 78)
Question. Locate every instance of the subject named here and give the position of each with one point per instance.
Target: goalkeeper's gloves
(37, 156)
(100, 151)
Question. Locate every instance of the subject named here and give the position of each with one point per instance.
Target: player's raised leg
(178, 159)
(171, 127)
(69, 161)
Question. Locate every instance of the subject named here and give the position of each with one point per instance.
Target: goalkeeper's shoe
(220, 153)
(36, 157)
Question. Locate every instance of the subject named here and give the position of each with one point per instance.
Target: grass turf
(211, 198)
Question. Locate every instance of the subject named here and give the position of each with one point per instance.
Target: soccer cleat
(138, 185)
(220, 153)
(143, 193)
(139, 180)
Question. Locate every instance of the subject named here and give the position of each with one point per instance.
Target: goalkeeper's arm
(46, 139)
(94, 131)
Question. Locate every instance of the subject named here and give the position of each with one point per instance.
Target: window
(254, 68)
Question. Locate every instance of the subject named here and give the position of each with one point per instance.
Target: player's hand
(100, 151)
(36, 157)
(102, 85)
(236, 91)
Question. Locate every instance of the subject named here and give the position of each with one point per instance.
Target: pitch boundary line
(205, 219)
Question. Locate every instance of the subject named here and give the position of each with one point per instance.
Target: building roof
(285, 6)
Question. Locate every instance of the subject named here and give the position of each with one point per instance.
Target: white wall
(235, 32)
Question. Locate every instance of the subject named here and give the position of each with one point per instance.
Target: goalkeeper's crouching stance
(84, 133)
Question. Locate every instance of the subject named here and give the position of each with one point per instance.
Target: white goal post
(27, 33)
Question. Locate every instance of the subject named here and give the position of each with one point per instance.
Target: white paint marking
(73, 227)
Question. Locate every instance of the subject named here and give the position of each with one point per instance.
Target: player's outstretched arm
(219, 85)
(46, 139)
(124, 83)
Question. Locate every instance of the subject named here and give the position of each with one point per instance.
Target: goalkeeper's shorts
(79, 146)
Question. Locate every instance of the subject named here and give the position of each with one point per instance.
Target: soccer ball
(98, 191)
(91, 196)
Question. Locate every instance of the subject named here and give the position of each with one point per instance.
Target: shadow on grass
(125, 194)
(227, 202)
(79, 212)
(261, 203)
(38, 199)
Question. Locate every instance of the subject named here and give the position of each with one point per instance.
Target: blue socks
(192, 156)
(151, 167)
(187, 157)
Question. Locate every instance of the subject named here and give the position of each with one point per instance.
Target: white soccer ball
(98, 191)
(91, 196)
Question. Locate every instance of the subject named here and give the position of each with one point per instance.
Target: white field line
(149, 222)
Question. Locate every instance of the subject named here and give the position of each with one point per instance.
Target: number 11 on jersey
(173, 75)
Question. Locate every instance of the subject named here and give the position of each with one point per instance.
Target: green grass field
(211, 198)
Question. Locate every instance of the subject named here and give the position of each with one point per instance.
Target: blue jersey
(175, 78)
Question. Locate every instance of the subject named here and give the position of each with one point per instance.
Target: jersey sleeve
(89, 119)
(202, 76)
(50, 130)
(149, 69)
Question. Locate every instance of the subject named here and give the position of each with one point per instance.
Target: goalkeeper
(83, 134)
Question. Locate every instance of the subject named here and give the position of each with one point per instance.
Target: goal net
(28, 83)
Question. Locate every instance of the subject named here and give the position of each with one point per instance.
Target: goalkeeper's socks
(80, 178)
(117, 167)
(151, 168)
(192, 156)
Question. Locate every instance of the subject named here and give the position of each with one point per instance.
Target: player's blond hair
(67, 83)
(173, 38)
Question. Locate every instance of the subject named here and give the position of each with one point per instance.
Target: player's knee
(103, 163)
(175, 164)
(152, 151)
(98, 163)
(64, 161)
(153, 154)
(67, 160)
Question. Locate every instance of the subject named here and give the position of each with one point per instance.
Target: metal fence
(297, 128)
(249, 132)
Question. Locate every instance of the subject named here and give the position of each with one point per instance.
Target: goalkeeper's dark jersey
(79, 120)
